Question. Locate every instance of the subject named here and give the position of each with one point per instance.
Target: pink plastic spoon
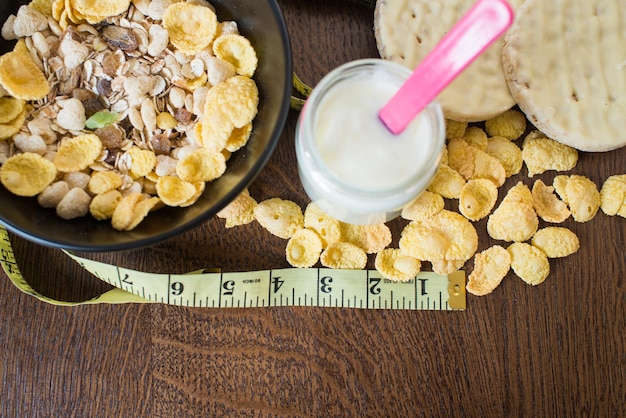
(482, 25)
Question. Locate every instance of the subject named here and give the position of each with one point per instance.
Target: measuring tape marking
(284, 287)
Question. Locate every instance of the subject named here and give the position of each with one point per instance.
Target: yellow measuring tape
(321, 287)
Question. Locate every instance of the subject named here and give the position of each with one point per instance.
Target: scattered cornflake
(505, 151)
(490, 267)
(447, 182)
(343, 255)
(541, 154)
(280, 217)
(446, 236)
(556, 241)
(477, 199)
(510, 124)
(303, 248)
(547, 204)
(240, 211)
(529, 263)
(515, 219)
(476, 137)
(371, 238)
(473, 163)
(424, 206)
(580, 194)
(394, 265)
(455, 129)
(613, 196)
(445, 267)
(327, 227)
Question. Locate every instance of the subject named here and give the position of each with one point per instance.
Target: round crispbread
(565, 64)
(407, 30)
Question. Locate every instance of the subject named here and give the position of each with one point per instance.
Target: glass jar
(350, 165)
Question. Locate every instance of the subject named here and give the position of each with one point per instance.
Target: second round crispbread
(407, 30)
(565, 64)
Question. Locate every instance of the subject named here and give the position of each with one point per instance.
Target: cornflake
(556, 241)
(240, 211)
(580, 194)
(490, 267)
(547, 204)
(327, 227)
(21, 77)
(447, 182)
(343, 255)
(477, 199)
(424, 206)
(529, 263)
(446, 236)
(515, 219)
(394, 265)
(510, 125)
(541, 154)
(505, 151)
(476, 137)
(371, 238)
(445, 267)
(280, 217)
(455, 129)
(303, 248)
(191, 27)
(238, 51)
(613, 196)
(27, 174)
(473, 163)
(77, 153)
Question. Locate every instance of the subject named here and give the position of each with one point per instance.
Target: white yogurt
(357, 147)
(349, 163)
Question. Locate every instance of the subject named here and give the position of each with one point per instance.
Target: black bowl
(260, 21)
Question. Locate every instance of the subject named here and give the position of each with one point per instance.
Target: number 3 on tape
(364, 289)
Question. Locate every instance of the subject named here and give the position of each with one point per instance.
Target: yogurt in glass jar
(350, 165)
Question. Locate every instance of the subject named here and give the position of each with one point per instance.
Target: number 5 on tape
(364, 289)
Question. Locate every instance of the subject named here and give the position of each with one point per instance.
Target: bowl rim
(244, 181)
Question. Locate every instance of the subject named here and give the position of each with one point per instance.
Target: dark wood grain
(554, 350)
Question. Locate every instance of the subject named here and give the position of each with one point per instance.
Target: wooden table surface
(554, 350)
